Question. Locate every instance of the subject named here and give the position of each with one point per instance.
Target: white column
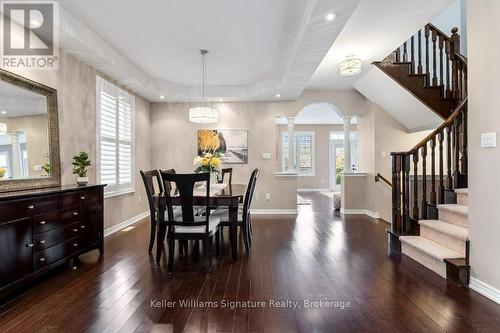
(291, 143)
(16, 156)
(347, 144)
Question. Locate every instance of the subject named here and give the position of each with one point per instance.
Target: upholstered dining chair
(190, 226)
(149, 178)
(244, 217)
(226, 176)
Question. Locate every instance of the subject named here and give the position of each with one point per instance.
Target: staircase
(429, 192)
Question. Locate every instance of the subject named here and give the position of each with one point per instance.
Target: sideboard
(44, 228)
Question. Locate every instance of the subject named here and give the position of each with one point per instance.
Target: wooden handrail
(379, 176)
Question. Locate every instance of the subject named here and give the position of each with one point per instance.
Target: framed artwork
(233, 143)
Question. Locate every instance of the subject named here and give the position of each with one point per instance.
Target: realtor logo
(30, 34)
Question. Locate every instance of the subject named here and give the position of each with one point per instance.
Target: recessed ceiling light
(3, 112)
(162, 97)
(278, 95)
(330, 17)
(221, 99)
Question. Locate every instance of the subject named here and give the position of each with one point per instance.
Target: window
(304, 153)
(115, 146)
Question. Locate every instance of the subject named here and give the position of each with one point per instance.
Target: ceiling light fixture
(278, 95)
(203, 114)
(350, 66)
(3, 112)
(162, 97)
(330, 17)
(221, 99)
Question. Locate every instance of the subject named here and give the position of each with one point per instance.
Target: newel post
(396, 193)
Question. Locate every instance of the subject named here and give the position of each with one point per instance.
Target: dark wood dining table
(229, 197)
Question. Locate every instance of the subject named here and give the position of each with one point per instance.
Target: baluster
(427, 69)
(415, 186)
(419, 67)
(424, 182)
(454, 49)
(406, 193)
(448, 81)
(456, 147)
(405, 52)
(459, 79)
(396, 193)
(441, 71)
(454, 77)
(412, 47)
(434, 63)
(465, 80)
(441, 168)
(464, 143)
(449, 179)
(433, 170)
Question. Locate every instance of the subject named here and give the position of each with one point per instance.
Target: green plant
(46, 165)
(80, 164)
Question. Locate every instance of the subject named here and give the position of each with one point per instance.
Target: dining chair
(190, 226)
(224, 172)
(244, 217)
(149, 177)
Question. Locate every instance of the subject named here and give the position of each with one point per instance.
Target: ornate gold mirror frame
(54, 179)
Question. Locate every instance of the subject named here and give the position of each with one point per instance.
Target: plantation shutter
(115, 114)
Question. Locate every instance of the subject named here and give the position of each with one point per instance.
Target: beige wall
(37, 140)
(484, 102)
(76, 88)
(380, 133)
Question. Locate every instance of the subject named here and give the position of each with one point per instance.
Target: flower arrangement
(3, 171)
(209, 162)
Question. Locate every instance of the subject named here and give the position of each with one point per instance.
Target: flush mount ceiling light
(203, 114)
(278, 95)
(330, 17)
(350, 66)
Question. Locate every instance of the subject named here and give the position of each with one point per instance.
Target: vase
(81, 181)
(213, 178)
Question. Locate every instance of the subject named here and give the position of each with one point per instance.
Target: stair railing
(443, 153)
(436, 56)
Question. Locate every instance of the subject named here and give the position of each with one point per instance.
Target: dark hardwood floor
(316, 256)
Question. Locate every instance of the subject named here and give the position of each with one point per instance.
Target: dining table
(221, 196)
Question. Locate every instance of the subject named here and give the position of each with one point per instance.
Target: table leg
(233, 231)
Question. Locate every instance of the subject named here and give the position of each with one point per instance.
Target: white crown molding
(485, 289)
(125, 224)
(312, 41)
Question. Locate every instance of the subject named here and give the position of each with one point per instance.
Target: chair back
(167, 186)
(185, 185)
(149, 177)
(249, 192)
(224, 172)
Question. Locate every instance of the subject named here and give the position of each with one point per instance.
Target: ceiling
(18, 102)
(258, 48)
(374, 30)
(317, 114)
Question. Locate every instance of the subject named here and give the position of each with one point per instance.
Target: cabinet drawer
(39, 205)
(75, 199)
(45, 222)
(55, 236)
(55, 253)
(90, 198)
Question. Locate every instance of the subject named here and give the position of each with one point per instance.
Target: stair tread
(462, 191)
(458, 262)
(431, 248)
(446, 228)
(458, 209)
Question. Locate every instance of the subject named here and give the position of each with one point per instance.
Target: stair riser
(446, 240)
(463, 199)
(438, 266)
(454, 218)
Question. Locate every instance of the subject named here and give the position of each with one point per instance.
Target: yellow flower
(208, 140)
(205, 161)
(215, 162)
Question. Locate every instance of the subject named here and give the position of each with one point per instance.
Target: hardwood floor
(312, 257)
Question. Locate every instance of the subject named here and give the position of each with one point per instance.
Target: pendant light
(203, 114)
(350, 66)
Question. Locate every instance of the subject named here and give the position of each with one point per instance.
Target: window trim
(313, 168)
(111, 191)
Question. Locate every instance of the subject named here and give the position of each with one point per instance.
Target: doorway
(337, 157)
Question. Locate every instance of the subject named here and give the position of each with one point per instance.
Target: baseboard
(274, 211)
(314, 190)
(374, 215)
(485, 289)
(125, 224)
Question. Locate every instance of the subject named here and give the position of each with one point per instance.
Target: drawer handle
(42, 259)
(75, 213)
(42, 222)
(82, 226)
(82, 197)
(42, 242)
(29, 245)
(31, 207)
(75, 230)
(75, 244)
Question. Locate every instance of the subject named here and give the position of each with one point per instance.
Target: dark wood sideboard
(42, 229)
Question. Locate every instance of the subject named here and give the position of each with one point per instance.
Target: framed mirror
(29, 134)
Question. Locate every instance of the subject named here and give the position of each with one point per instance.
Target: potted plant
(80, 164)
